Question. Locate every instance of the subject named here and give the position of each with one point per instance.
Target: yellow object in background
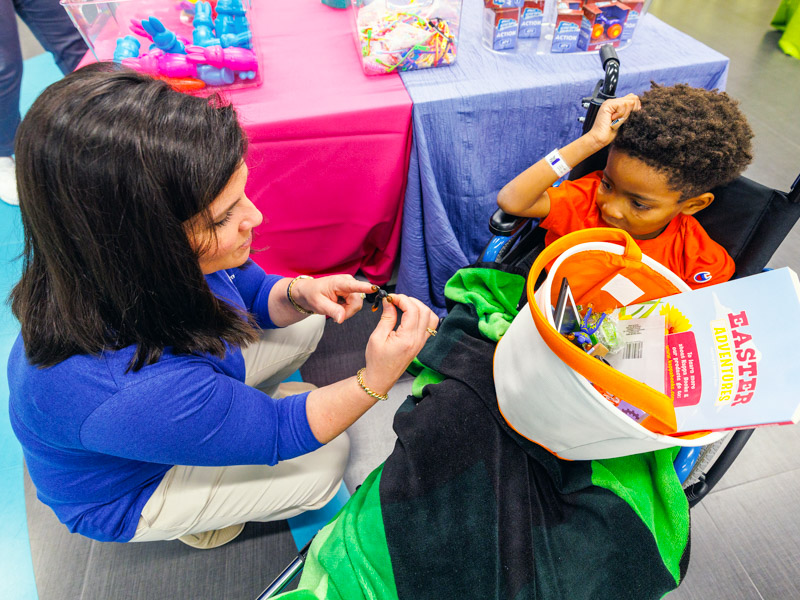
(787, 19)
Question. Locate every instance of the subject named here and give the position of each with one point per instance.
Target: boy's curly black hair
(698, 138)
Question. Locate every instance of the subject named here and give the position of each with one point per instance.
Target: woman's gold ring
(431, 331)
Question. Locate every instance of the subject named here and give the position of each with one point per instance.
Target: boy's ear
(696, 204)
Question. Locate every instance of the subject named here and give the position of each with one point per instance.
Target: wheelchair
(748, 219)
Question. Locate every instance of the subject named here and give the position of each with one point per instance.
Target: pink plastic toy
(176, 65)
(137, 29)
(236, 59)
(146, 63)
(157, 62)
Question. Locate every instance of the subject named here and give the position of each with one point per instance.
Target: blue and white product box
(633, 19)
(585, 34)
(530, 21)
(500, 27)
(565, 36)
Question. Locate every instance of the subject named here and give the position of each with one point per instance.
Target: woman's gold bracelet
(360, 380)
(297, 307)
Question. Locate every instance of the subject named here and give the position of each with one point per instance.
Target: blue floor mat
(16, 568)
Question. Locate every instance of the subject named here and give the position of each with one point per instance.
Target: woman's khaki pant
(196, 499)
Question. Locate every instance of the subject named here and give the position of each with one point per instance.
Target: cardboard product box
(530, 22)
(602, 23)
(637, 11)
(499, 4)
(567, 28)
(500, 27)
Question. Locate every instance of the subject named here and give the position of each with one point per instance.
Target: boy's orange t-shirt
(683, 247)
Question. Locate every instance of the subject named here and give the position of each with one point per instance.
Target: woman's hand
(336, 296)
(333, 408)
(611, 116)
(389, 350)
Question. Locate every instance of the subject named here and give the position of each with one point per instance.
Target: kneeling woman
(144, 384)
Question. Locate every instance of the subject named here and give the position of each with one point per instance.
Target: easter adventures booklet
(726, 354)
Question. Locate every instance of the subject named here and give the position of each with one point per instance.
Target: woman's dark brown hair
(110, 165)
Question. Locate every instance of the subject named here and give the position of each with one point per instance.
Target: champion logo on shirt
(702, 277)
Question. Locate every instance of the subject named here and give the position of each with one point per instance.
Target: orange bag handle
(656, 404)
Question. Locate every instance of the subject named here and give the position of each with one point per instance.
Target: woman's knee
(308, 332)
(280, 352)
(334, 461)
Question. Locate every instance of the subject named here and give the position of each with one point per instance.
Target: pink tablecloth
(329, 146)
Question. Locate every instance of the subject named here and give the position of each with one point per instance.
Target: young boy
(667, 151)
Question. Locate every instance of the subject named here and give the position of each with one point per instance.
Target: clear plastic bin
(196, 46)
(404, 35)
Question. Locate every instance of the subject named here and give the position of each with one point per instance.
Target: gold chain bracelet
(360, 380)
(297, 307)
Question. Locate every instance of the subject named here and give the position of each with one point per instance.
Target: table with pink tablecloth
(329, 147)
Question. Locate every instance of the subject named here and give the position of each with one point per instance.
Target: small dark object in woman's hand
(376, 297)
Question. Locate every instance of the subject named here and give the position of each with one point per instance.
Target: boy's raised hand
(611, 116)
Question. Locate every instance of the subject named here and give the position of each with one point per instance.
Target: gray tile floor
(746, 539)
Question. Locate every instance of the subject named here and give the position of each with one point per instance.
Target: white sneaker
(8, 181)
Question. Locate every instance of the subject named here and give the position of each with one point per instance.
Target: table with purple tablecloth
(483, 120)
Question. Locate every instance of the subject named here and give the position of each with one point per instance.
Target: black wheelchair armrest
(502, 223)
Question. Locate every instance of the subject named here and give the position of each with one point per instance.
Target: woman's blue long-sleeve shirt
(98, 438)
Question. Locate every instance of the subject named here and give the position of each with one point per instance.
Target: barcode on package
(633, 350)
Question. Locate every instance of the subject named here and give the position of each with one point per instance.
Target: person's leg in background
(10, 80)
(206, 507)
(51, 25)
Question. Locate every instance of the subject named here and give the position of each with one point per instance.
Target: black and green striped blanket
(466, 508)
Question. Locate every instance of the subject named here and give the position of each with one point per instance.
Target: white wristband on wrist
(557, 163)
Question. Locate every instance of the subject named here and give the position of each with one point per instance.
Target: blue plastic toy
(589, 326)
(239, 40)
(203, 33)
(233, 8)
(223, 24)
(127, 47)
(232, 22)
(214, 76)
(162, 37)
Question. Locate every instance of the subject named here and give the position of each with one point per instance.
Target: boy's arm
(526, 194)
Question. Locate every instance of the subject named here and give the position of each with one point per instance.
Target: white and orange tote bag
(549, 390)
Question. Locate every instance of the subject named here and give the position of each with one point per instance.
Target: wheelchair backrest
(750, 221)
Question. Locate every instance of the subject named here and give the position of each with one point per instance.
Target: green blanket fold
(349, 559)
(466, 508)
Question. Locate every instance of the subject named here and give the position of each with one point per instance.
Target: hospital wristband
(557, 163)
